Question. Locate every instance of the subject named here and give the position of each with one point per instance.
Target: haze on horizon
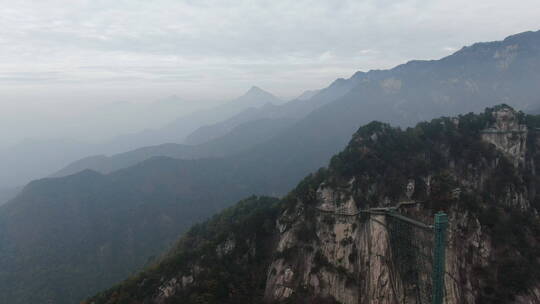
(64, 64)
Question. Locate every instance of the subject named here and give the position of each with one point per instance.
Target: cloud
(88, 50)
(188, 35)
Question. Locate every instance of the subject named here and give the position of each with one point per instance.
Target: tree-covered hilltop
(264, 250)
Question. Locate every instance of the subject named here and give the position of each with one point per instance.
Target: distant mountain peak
(255, 90)
(256, 96)
(338, 82)
(523, 35)
(358, 74)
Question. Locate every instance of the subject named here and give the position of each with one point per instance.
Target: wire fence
(417, 253)
(411, 248)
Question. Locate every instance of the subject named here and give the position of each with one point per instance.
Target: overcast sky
(93, 51)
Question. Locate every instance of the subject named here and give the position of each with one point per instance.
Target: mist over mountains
(55, 154)
(104, 217)
(469, 80)
(241, 132)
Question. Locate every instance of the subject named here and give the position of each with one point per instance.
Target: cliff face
(347, 263)
(324, 247)
(508, 135)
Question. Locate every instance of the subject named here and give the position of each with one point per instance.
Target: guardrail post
(439, 254)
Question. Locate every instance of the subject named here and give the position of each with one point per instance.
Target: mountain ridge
(458, 87)
(283, 116)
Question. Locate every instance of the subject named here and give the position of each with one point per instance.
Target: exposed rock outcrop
(508, 134)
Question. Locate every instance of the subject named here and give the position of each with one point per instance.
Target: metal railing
(418, 249)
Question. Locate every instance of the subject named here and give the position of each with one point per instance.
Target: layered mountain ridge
(471, 79)
(239, 133)
(49, 160)
(167, 195)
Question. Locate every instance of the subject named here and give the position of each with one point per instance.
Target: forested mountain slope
(62, 239)
(261, 251)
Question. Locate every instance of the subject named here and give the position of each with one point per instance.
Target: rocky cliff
(484, 185)
(325, 248)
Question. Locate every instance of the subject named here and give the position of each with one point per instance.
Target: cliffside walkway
(389, 211)
(494, 131)
(418, 249)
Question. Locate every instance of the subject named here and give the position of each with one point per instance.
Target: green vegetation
(381, 159)
(64, 239)
(231, 278)
(516, 239)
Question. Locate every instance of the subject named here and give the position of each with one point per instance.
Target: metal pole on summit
(439, 255)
